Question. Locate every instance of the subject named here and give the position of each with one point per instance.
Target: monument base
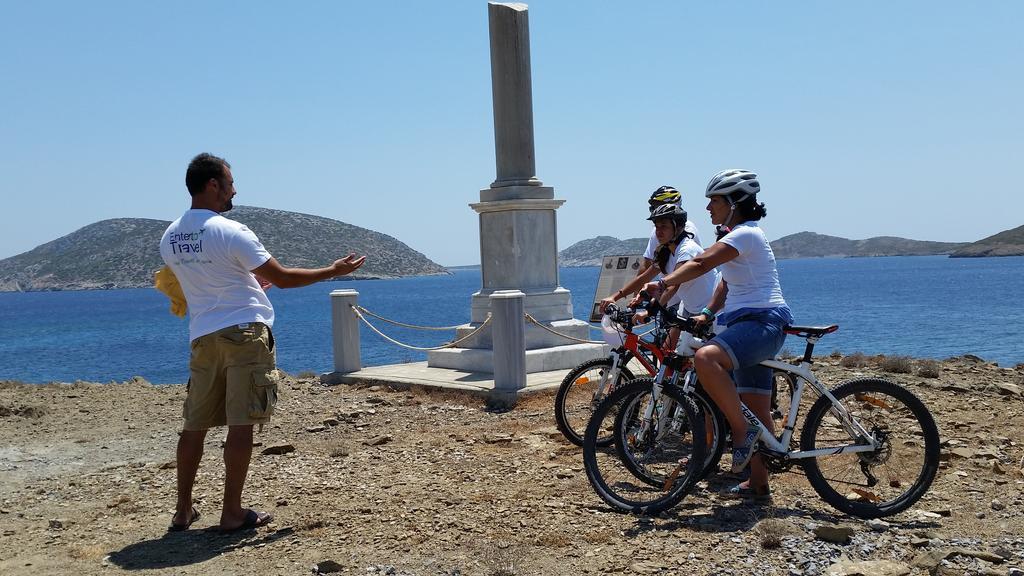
(538, 360)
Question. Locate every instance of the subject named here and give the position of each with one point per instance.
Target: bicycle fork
(612, 375)
(648, 417)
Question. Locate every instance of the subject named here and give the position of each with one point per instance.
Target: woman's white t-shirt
(752, 276)
(697, 293)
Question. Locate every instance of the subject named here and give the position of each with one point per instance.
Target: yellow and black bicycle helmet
(665, 195)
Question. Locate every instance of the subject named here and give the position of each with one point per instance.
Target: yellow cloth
(165, 281)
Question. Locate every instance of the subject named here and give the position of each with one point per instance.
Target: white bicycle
(869, 447)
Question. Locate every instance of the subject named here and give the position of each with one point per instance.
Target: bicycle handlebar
(625, 317)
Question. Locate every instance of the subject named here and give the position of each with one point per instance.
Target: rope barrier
(396, 323)
(396, 342)
(359, 311)
(566, 336)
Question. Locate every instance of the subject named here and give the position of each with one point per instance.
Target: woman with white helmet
(749, 301)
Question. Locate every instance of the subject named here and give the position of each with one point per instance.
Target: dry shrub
(482, 497)
(312, 527)
(340, 450)
(22, 411)
(503, 559)
(928, 369)
(855, 360)
(896, 364)
(554, 540)
(87, 552)
(124, 504)
(771, 530)
(599, 536)
(770, 533)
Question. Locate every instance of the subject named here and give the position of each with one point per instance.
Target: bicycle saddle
(805, 331)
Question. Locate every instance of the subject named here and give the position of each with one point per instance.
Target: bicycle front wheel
(887, 480)
(673, 455)
(582, 389)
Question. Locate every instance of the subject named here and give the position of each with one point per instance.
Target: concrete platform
(416, 374)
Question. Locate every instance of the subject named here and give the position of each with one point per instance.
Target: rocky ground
(380, 481)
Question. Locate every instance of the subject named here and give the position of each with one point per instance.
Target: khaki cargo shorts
(232, 378)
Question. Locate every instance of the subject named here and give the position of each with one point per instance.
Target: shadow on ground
(189, 547)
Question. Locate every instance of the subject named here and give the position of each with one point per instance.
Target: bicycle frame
(631, 348)
(770, 444)
(633, 345)
(780, 446)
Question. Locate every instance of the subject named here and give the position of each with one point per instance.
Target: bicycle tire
(681, 450)
(635, 449)
(574, 406)
(908, 431)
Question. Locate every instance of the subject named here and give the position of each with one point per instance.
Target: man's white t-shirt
(752, 276)
(697, 293)
(652, 242)
(212, 257)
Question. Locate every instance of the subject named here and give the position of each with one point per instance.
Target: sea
(920, 306)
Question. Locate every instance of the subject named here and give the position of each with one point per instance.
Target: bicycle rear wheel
(674, 456)
(582, 389)
(887, 480)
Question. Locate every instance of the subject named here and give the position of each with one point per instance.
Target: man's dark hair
(201, 169)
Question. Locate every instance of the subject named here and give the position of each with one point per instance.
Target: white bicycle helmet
(735, 183)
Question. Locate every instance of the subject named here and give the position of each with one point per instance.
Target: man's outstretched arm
(297, 277)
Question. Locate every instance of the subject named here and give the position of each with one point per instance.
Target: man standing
(223, 269)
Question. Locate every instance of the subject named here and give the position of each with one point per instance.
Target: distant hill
(1005, 243)
(124, 253)
(589, 252)
(801, 245)
(812, 245)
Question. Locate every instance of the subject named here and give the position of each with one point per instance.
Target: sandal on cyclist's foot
(743, 452)
(739, 491)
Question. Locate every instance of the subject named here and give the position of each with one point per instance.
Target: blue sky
(862, 118)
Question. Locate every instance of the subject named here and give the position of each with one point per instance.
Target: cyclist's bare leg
(714, 368)
(761, 406)
(673, 338)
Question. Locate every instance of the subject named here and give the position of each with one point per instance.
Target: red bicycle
(586, 385)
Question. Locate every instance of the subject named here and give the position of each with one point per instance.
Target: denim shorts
(749, 340)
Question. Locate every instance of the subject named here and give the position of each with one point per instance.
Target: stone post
(509, 335)
(345, 328)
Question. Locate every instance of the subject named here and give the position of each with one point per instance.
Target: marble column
(518, 228)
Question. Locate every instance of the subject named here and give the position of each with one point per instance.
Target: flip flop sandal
(182, 527)
(252, 520)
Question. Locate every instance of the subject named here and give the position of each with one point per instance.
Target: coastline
(423, 482)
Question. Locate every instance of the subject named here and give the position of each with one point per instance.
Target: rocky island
(124, 252)
(1005, 243)
(812, 245)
